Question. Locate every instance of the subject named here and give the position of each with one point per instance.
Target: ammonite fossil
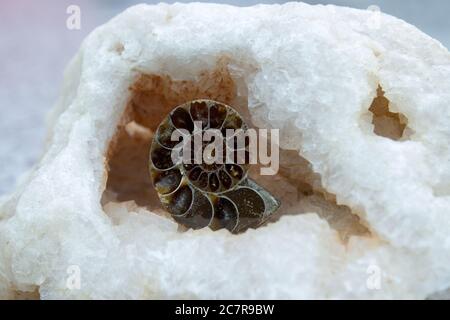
(199, 193)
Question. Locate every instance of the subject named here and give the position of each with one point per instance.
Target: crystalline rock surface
(363, 108)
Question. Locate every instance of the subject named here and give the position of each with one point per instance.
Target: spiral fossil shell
(197, 195)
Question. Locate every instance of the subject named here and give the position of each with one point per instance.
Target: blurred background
(36, 45)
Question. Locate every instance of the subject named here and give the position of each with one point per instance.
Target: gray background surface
(35, 46)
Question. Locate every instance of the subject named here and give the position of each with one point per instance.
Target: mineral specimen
(364, 115)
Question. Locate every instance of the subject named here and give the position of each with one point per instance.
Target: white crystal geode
(363, 109)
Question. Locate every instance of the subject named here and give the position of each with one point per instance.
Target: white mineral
(362, 100)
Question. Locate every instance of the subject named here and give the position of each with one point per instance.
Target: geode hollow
(364, 180)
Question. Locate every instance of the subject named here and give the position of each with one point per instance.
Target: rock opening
(386, 123)
(153, 97)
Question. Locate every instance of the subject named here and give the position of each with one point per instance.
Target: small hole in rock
(118, 48)
(386, 123)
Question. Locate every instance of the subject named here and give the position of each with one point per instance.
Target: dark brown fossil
(197, 195)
